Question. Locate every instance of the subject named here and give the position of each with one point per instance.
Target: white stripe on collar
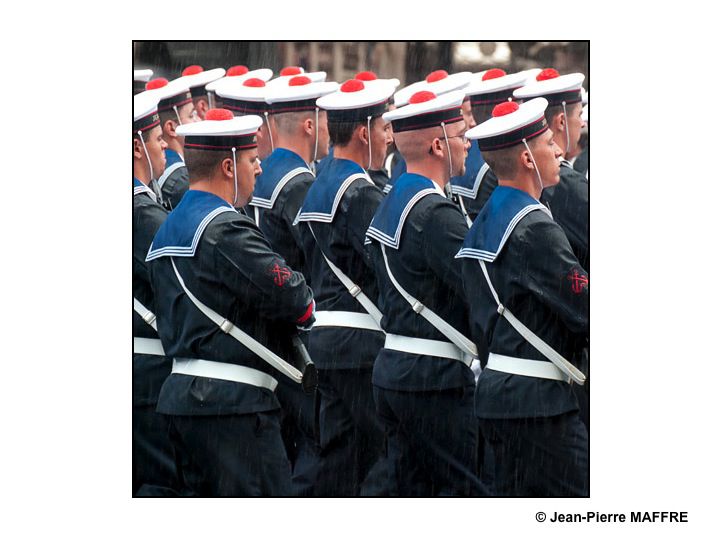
(268, 203)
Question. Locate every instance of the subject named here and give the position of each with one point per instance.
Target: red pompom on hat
(352, 85)
(421, 97)
(236, 70)
(156, 83)
(366, 76)
(254, 82)
(290, 70)
(546, 74)
(219, 114)
(438, 75)
(300, 80)
(493, 73)
(504, 108)
(192, 70)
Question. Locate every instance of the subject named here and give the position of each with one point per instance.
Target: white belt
(522, 366)
(348, 319)
(428, 347)
(143, 345)
(221, 370)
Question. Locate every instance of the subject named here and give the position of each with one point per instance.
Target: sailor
(246, 95)
(423, 383)
(154, 470)
(569, 200)
(485, 90)
(235, 75)
(530, 297)
(227, 307)
(196, 78)
(140, 78)
(347, 336)
(175, 109)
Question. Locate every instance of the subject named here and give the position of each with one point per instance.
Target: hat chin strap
(442, 125)
(177, 114)
(153, 182)
(537, 171)
(567, 130)
(267, 121)
(235, 195)
(369, 144)
(317, 112)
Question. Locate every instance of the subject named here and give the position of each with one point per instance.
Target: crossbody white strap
(229, 328)
(148, 346)
(463, 343)
(526, 367)
(147, 315)
(533, 339)
(464, 211)
(352, 288)
(347, 319)
(227, 372)
(256, 211)
(429, 347)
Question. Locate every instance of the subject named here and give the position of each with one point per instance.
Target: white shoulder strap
(147, 315)
(440, 324)
(352, 288)
(257, 215)
(464, 211)
(533, 339)
(229, 328)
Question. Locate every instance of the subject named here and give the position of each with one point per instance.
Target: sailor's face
(467, 114)
(575, 124)
(323, 148)
(380, 137)
(187, 113)
(156, 146)
(248, 164)
(547, 158)
(459, 147)
(263, 139)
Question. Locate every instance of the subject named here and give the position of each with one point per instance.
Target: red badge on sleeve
(280, 274)
(578, 280)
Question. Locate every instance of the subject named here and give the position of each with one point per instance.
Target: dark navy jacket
(422, 231)
(339, 206)
(477, 184)
(538, 278)
(149, 371)
(175, 181)
(227, 263)
(569, 202)
(278, 196)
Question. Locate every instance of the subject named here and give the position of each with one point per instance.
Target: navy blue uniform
(153, 458)
(226, 433)
(424, 400)
(277, 198)
(532, 423)
(476, 185)
(175, 181)
(337, 210)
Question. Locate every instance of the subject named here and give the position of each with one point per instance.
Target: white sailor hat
(237, 74)
(221, 130)
(299, 94)
(511, 123)
(530, 74)
(556, 88)
(288, 73)
(145, 111)
(425, 110)
(243, 96)
(140, 77)
(438, 82)
(585, 113)
(370, 78)
(170, 94)
(356, 100)
(493, 86)
(197, 78)
(585, 96)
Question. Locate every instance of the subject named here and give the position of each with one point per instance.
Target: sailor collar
(565, 163)
(139, 187)
(387, 224)
(468, 184)
(172, 157)
(278, 169)
(325, 193)
(504, 210)
(180, 233)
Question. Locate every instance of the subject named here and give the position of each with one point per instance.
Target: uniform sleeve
(293, 197)
(280, 293)
(555, 276)
(360, 207)
(147, 219)
(444, 231)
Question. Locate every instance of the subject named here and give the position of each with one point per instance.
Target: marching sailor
(569, 200)
(196, 78)
(422, 377)
(485, 90)
(227, 307)
(175, 109)
(153, 458)
(347, 336)
(530, 296)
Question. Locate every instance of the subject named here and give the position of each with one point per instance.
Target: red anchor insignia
(280, 274)
(579, 281)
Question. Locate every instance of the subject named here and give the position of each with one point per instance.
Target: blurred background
(407, 61)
